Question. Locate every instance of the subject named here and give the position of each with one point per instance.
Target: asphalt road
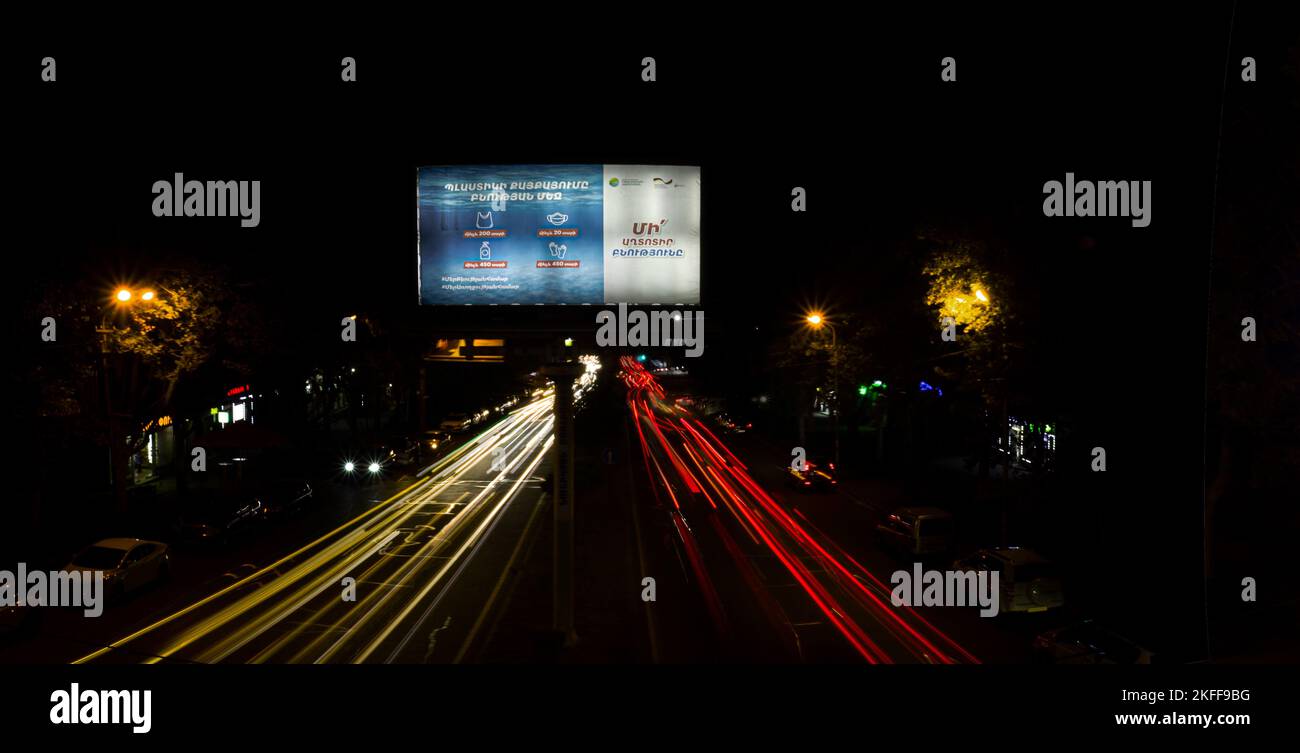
(413, 579)
(774, 584)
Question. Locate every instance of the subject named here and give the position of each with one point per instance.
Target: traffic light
(862, 389)
(641, 358)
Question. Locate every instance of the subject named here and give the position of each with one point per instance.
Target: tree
(823, 358)
(118, 364)
(176, 333)
(967, 283)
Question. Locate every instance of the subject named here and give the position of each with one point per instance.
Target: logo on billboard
(661, 183)
(556, 218)
(613, 181)
(483, 220)
(648, 228)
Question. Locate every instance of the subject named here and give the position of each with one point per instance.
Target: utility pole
(116, 463)
(563, 375)
(835, 391)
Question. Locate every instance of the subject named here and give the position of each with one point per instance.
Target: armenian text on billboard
(559, 234)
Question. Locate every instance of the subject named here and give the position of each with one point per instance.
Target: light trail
(844, 592)
(405, 554)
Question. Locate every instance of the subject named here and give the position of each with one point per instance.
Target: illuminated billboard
(559, 234)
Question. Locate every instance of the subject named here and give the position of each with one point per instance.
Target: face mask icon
(483, 220)
(557, 219)
(485, 251)
(558, 250)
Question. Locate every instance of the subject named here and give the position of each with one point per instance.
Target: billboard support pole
(422, 405)
(563, 375)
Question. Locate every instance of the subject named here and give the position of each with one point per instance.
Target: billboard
(559, 234)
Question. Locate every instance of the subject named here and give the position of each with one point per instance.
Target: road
(772, 583)
(414, 579)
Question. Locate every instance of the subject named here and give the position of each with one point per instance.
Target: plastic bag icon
(483, 220)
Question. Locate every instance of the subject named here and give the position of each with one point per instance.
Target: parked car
(1088, 642)
(437, 439)
(814, 476)
(218, 517)
(456, 422)
(405, 450)
(1028, 582)
(282, 496)
(128, 564)
(916, 531)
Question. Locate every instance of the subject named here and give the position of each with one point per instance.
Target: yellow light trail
(355, 542)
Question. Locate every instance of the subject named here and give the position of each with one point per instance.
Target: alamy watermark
(1107, 198)
(213, 198)
(655, 328)
(952, 588)
(77, 706)
(59, 588)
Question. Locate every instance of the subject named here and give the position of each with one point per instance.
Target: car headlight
(374, 467)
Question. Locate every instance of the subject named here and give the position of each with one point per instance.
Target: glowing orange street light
(816, 321)
(147, 296)
(123, 295)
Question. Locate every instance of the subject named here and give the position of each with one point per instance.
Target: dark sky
(860, 119)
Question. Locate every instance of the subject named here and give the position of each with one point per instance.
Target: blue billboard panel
(558, 234)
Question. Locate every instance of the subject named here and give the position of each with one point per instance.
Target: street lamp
(816, 320)
(116, 460)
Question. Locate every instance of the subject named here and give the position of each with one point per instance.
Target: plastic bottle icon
(485, 251)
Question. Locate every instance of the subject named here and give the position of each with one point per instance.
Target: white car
(128, 564)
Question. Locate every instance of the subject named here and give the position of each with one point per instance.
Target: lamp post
(116, 457)
(816, 320)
